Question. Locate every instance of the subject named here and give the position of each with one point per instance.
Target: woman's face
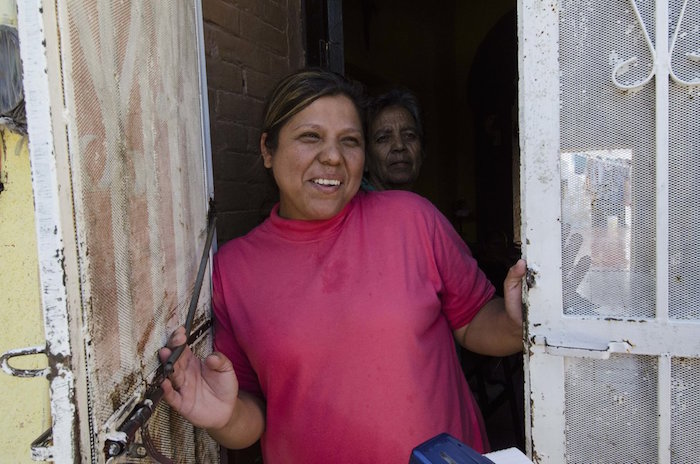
(319, 159)
(394, 154)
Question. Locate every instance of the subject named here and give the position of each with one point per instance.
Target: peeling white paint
(539, 147)
(49, 228)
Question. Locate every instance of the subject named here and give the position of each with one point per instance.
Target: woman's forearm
(492, 331)
(246, 425)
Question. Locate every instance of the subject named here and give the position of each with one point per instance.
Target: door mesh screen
(608, 161)
(611, 410)
(132, 83)
(685, 409)
(684, 167)
(608, 173)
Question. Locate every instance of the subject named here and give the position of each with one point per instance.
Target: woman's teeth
(327, 182)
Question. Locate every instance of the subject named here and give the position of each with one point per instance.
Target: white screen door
(116, 106)
(610, 159)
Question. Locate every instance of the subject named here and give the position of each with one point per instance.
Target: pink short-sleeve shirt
(344, 327)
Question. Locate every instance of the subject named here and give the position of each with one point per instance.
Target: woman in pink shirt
(335, 319)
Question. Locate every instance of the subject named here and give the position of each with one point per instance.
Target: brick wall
(249, 46)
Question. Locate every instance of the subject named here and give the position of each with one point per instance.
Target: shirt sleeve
(224, 334)
(466, 289)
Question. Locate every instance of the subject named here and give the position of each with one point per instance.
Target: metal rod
(144, 410)
(175, 355)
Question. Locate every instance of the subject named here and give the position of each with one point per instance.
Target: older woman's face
(319, 159)
(394, 155)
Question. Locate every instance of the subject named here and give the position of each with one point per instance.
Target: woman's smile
(327, 182)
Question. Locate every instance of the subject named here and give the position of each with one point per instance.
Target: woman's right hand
(203, 392)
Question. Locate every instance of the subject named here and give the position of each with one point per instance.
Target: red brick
(234, 224)
(241, 196)
(242, 168)
(252, 28)
(224, 76)
(228, 136)
(237, 50)
(281, 66)
(221, 13)
(238, 108)
(211, 41)
(249, 46)
(211, 95)
(255, 7)
(254, 139)
(258, 84)
(276, 16)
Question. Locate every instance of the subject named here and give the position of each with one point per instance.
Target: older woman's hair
(300, 89)
(402, 98)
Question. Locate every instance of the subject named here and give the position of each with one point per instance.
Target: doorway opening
(460, 60)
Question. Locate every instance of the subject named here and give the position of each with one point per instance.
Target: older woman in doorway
(395, 149)
(336, 317)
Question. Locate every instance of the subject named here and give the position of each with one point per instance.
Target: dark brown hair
(300, 89)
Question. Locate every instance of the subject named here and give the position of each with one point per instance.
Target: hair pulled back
(300, 89)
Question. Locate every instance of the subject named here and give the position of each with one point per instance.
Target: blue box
(446, 449)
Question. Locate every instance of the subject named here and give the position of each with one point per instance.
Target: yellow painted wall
(24, 402)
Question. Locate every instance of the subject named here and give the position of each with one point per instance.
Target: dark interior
(460, 59)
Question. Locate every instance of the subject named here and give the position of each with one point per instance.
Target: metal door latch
(586, 349)
(18, 352)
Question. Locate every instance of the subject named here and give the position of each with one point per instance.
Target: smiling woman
(318, 160)
(335, 319)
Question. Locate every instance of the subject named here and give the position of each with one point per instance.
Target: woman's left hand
(512, 291)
